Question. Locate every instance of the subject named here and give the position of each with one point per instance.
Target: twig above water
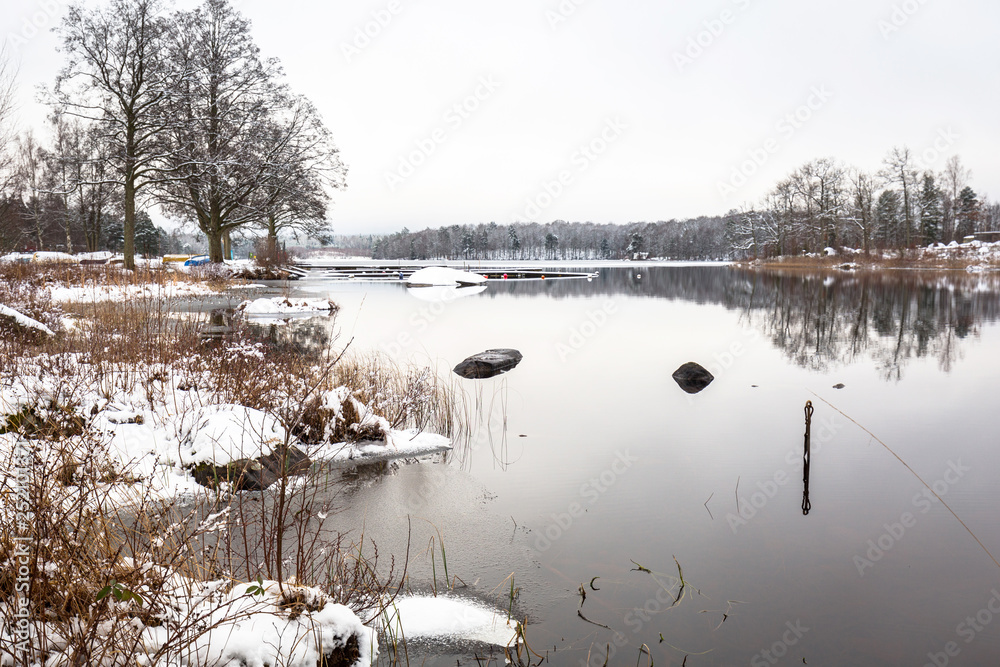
(914, 473)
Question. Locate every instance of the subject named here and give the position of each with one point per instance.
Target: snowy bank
(284, 306)
(99, 293)
(187, 622)
(162, 432)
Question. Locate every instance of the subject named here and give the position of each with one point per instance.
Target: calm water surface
(588, 459)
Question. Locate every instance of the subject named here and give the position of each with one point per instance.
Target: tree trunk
(214, 246)
(272, 238)
(129, 228)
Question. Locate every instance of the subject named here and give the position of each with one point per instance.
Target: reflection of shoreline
(819, 319)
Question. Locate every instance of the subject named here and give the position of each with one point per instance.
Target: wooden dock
(390, 272)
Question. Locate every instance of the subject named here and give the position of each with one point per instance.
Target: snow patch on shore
(455, 618)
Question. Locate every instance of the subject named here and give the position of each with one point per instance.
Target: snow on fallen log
(23, 321)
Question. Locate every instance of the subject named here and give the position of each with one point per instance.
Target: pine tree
(887, 219)
(513, 240)
(930, 210)
(968, 215)
(147, 236)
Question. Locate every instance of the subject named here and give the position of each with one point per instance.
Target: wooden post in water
(806, 455)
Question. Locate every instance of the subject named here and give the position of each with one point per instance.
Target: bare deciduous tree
(245, 151)
(899, 168)
(115, 77)
(305, 167)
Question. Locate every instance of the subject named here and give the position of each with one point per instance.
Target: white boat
(440, 275)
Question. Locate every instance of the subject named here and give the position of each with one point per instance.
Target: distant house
(985, 237)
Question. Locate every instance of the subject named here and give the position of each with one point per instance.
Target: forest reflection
(819, 319)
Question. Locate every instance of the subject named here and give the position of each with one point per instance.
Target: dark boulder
(254, 474)
(489, 363)
(692, 377)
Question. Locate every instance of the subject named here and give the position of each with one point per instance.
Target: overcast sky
(463, 111)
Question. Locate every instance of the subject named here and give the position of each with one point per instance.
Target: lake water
(588, 459)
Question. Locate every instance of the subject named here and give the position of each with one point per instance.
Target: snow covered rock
(255, 474)
(489, 363)
(225, 433)
(692, 377)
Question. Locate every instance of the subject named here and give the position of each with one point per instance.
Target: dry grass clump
(80, 275)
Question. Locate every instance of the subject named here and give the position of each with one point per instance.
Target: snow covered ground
(160, 430)
(977, 256)
(253, 624)
(148, 426)
(983, 256)
(97, 293)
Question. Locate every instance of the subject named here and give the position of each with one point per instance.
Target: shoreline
(975, 257)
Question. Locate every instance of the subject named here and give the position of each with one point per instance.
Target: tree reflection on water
(819, 319)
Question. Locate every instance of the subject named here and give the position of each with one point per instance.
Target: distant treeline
(699, 238)
(824, 203)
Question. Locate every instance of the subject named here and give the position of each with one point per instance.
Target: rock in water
(692, 377)
(489, 363)
(255, 474)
